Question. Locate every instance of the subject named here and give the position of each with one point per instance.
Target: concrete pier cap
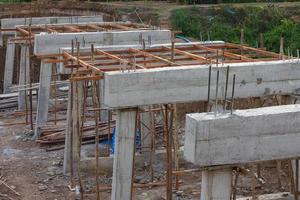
(245, 136)
(190, 83)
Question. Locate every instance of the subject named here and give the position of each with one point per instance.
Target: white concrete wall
(245, 136)
(190, 83)
(51, 43)
(8, 23)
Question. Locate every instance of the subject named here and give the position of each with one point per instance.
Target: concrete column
(9, 66)
(294, 174)
(43, 97)
(23, 75)
(146, 133)
(216, 184)
(68, 146)
(124, 154)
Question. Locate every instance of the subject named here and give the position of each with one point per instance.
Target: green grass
(225, 23)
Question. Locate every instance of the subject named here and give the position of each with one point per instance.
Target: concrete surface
(54, 42)
(216, 184)
(259, 134)
(190, 83)
(124, 154)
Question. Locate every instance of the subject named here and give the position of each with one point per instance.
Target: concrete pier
(124, 154)
(246, 136)
(216, 184)
(23, 76)
(9, 66)
(43, 97)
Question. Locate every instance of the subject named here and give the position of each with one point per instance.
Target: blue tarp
(112, 141)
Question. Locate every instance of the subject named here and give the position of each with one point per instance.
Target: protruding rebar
(208, 92)
(226, 88)
(232, 94)
(217, 90)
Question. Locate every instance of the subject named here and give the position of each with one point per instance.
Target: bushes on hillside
(226, 23)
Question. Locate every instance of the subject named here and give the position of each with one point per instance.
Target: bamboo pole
(176, 146)
(97, 113)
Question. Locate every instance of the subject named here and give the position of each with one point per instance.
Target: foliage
(225, 23)
(14, 1)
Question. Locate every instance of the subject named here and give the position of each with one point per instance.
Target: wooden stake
(261, 40)
(296, 193)
(281, 48)
(254, 196)
(152, 150)
(176, 146)
(96, 114)
(168, 125)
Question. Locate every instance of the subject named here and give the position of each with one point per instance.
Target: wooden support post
(146, 138)
(69, 129)
(242, 36)
(261, 40)
(104, 114)
(152, 149)
(168, 118)
(96, 114)
(124, 154)
(176, 146)
(43, 97)
(216, 184)
(76, 115)
(281, 48)
(295, 167)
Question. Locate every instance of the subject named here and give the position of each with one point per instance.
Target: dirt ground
(37, 174)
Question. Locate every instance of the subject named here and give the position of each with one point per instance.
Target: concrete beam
(52, 43)
(252, 135)
(124, 154)
(9, 66)
(11, 23)
(190, 83)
